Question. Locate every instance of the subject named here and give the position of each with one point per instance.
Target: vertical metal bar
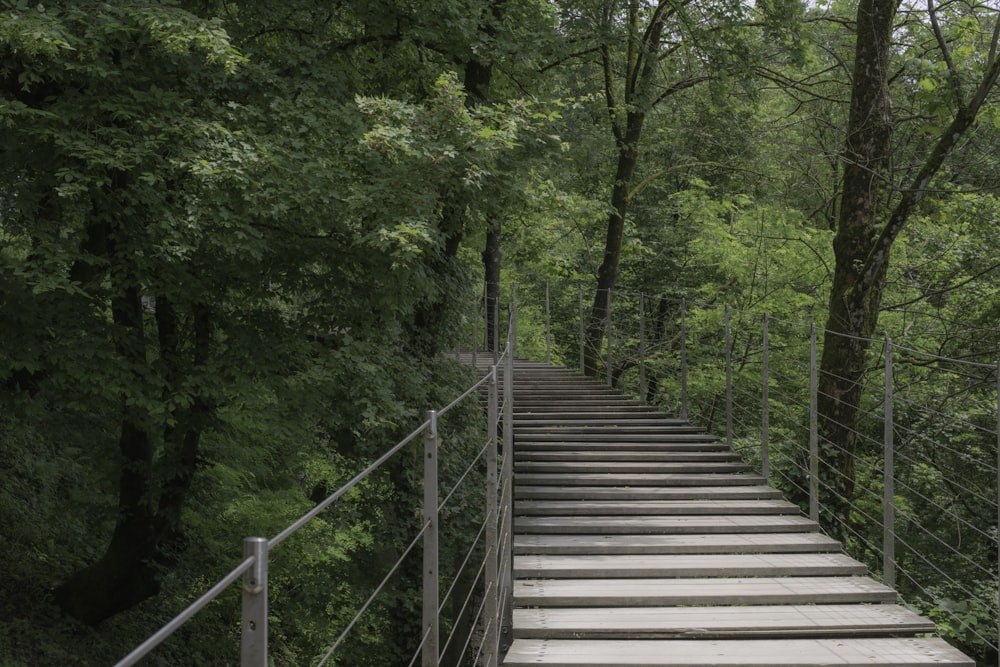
(475, 338)
(491, 611)
(429, 655)
(888, 479)
(548, 328)
(729, 380)
(512, 334)
(506, 527)
(765, 403)
(642, 347)
(813, 431)
(253, 634)
(610, 331)
(496, 327)
(684, 361)
(583, 338)
(997, 477)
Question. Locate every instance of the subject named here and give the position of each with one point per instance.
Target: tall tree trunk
(864, 238)
(124, 575)
(491, 271)
(147, 533)
(854, 303)
(607, 274)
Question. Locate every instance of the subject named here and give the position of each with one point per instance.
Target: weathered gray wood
(676, 566)
(667, 467)
(647, 592)
(676, 544)
(631, 524)
(587, 419)
(747, 492)
(653, 507)
(895, 652)
(662, 456)
(854, 620)
(647, 525)
(640, 479)
(680, 444)
(611, 437)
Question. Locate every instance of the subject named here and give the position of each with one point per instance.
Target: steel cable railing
(924, 443)
(492, 606)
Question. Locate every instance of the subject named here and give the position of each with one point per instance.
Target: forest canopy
(237, 238)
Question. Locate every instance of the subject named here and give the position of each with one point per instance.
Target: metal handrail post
(583, 361)
(496, 327)
(813, 431)
(475, 338)
(491, 612)
(253, 627)
(610, 331)
(642, 346)
(765, 403)
(998, 492)
(729, 379)
(888, 480)
(548, 327)
(512, 334)
(684, 361)
(431, 590)
(506, 577)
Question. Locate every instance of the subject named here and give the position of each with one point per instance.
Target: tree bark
(491, 271)
(854, 298)
(607, 274)
(864, 239)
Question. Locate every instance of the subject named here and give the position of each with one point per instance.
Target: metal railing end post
(431, 590)
(253, 632)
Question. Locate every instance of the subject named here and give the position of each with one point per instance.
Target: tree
(646, 54)
(871, 218)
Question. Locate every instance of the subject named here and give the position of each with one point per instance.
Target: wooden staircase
(641, 540)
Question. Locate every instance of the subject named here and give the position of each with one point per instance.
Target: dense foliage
(236, 237)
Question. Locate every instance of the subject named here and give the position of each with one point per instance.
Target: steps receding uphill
(642, 540)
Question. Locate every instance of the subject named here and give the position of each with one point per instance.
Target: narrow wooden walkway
(641, 540)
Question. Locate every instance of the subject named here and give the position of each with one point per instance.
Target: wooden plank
(651, 592)
(640, 479)
(685, 444)
(648, 525)
(646, 493)
(854, 620)
(616, 467)
(610, 437)
(654, 507)
(683, 565)
(676, 544)
(628, 455)
(892, 652)
(586, 419)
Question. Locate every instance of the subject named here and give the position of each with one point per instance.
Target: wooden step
(709, 543)
(642, 493)
(628, 419)
(661, 525)
(612, 437)
(856, 620)
(624, 467)
(626, 455)
(890, 652)
(638, 479)
(707, 591)
(665, 444)
(677, 566)
(653, 507)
